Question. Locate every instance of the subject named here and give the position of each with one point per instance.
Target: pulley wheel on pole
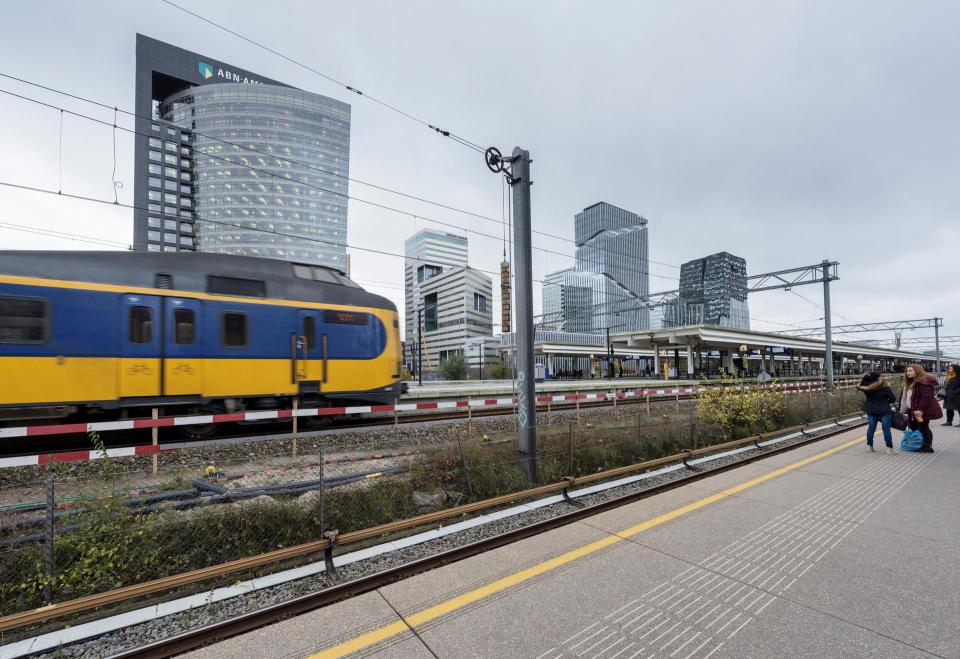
(494, 159)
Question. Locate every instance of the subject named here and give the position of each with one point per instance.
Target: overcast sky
(784, 132)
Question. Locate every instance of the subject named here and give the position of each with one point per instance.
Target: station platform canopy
(715, 338)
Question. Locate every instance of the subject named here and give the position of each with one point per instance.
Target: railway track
(218, 631)
(255, 431)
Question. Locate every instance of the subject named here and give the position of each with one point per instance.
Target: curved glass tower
(269, 170)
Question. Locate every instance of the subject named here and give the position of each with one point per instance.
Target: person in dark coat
(951, 392)
(918, 400)
(878, 397)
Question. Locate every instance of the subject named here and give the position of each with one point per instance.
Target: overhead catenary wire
(53, 233)
(285, 178)
(440, 131)
(237, 225)
(311, 166)
(250, 149)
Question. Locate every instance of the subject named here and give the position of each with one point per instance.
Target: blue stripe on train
(87, 323)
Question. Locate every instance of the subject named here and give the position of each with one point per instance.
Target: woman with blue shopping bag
(878, 398)
(918, 401)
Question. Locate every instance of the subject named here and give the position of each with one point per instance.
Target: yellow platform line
(432, 613)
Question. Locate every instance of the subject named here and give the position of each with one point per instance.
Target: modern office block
(232, 162)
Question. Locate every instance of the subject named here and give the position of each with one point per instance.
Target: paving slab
(789, 489)
(787, 629)
(622, 517)
(300, 636)
(437, 585)
(697, 536)
(530, 620)
(893, 584)
(852, 555)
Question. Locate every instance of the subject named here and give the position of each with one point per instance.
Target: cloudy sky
(785, 132)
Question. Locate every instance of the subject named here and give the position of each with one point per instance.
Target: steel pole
(936, 338)
(828, 339)
(523, 310)
(419, 348)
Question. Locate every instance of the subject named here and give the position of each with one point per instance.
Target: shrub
(454, 367)
(498, 371)
(738, 412)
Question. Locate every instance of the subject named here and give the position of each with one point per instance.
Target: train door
(309, 352)
(140, 359)
(182, 354)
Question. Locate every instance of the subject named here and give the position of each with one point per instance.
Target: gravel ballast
(160, 628)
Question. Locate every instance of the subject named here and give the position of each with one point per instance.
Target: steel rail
(50, 612)
(219, 631)
(410, 418)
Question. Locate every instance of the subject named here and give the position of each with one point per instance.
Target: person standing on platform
(951, 392)
(878, 398)
(918, 400)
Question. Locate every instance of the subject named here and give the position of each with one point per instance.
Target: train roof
(247, 276)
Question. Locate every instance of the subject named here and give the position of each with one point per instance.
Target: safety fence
(63, 537)
(468, 405)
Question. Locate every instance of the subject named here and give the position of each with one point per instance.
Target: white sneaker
(889, 451)
(870, 448)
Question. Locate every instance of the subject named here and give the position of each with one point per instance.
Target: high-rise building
(232, 162)
(713, 291)
(610, 279)
(454, 303)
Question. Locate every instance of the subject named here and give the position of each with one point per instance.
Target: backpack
(912, 441)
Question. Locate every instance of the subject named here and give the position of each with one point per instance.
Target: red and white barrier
(267, 415)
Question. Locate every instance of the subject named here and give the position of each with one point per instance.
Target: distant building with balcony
(452, 302)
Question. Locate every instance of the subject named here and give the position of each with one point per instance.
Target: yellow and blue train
(117, 332)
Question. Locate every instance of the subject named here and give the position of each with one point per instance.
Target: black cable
(302, 164)
(440, 131)
(53, 233)
(237, 225)
(310, 185)
(266, 154)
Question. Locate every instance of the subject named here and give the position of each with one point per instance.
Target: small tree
(498, 371)
(454, 367)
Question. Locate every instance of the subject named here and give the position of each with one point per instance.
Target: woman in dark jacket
(951, 392)
(876, 405)
(919, 401)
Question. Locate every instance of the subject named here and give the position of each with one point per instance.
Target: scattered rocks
(262, 500)
(310, 501)
(432, 499)
(139, 635)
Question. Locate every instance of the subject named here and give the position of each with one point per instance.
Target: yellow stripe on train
(31, 380)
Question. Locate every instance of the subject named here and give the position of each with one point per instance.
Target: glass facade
(713, 291)
(267, 167)
(610, 281)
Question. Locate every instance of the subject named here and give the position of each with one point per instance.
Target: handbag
(912, 441)
(899, 421)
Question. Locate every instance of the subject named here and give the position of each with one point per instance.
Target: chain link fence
(64, 537)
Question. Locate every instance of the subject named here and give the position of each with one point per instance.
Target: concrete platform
(827, 550)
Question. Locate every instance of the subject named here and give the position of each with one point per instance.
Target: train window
(234, 330)
(236, 286)
(302, 271)
(23, 320)
(184, 327)
(310, 332)
(141, 325)
(324, 275)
